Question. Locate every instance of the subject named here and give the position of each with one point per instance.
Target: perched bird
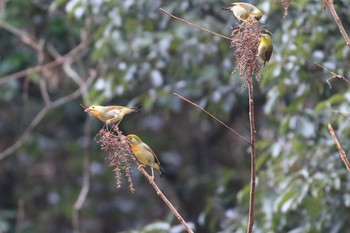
(265, 48)
(144, 154)
(111, 114)
(244, 11)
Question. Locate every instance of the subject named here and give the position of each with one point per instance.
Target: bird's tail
(137, 108)
(226, 8)
(161, 172)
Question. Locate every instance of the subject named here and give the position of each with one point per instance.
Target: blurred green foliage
(143, 56)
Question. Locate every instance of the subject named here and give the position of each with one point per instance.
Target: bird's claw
(151, 179)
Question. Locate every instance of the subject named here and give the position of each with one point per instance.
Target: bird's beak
(87, 110)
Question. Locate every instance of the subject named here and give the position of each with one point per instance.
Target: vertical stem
(252, 156)
(84, 191)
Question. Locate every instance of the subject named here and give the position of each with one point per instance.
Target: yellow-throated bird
(265, 48)
(144, 154)
(111, 114)
(244, 11)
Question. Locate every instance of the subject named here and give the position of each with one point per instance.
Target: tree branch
(330, 5)
(214, 117)
(49, 65)
(86, 178)
(37, 119)
(340, 149)
(334, 75)
(23, 35)
(193, 25)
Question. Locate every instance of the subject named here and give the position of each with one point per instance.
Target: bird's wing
(114, 111)
(244, 5)
(150, 150)
(114, 107)
(268, 55)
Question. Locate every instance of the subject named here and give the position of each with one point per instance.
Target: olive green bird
(265, 48)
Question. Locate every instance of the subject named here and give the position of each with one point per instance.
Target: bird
(243, 11)
(265, 48)
(111, 114)
(144, 154)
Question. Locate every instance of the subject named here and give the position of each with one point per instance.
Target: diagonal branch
(49, 65)
(23, 35)
(330, 5)
(193, 25)
(340, 149)
(214, 117)
(334, 75)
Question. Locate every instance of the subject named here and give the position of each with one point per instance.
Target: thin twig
(20, 219)
(252, 156)
(340, 149)
(37, 119)
(214, 117)
(49, 65)
(344, 114)
(334, 75)
(86, 178)
(193, 25)
(23, 35)
(44, 93)
(67, 67)
(330, 5)
(83, 85)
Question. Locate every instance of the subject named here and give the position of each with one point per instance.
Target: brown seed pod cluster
(246, 38)
(114, 143)
(286, 4)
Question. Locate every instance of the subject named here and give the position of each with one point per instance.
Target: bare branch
(214, 117)
(193, 25)
(20, 215)
(70, 72)
(334, 75)
(49, 65)
(25, 134)
(86, 178)
(330, 5)
(23, 35)
(23, 138)
(44, 92)
(344, 114)
(340, 149)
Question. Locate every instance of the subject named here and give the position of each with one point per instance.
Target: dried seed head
(246, 39)
(118, 153)
(286, 4)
